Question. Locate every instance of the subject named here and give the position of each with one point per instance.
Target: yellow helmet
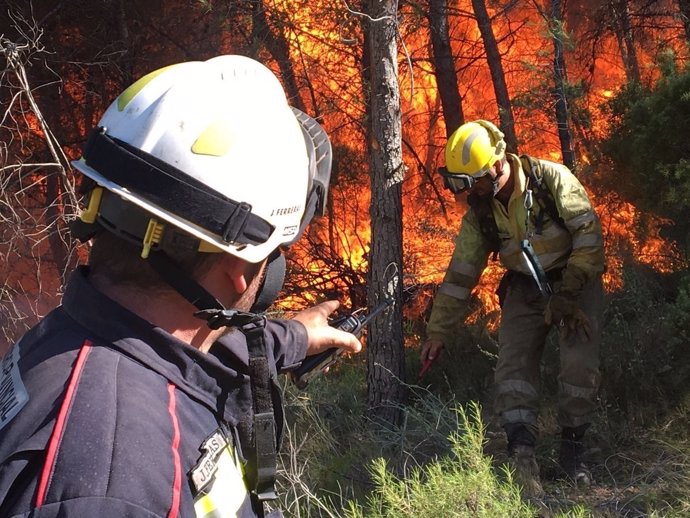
(473, 148)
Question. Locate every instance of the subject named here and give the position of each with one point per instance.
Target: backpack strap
(481, 205)
(542, 193)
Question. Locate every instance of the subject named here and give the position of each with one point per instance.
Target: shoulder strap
(487, 223)
(261, 434)
(542, 193)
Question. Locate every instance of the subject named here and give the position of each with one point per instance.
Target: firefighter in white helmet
(151, 390)
(537, 218)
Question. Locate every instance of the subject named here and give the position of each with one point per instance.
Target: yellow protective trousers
(522, 338)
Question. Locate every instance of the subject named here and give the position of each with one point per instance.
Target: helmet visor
(459, 182)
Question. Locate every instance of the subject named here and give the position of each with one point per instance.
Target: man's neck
(169, 311)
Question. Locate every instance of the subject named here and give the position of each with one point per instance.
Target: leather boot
(522, 458)
(571, 455)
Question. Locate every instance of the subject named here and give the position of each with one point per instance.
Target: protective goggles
(458, 182)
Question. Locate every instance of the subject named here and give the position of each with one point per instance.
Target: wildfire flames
(431, 217)
(325, 42)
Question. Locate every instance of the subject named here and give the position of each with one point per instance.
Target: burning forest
(574, 82)
(325, 74)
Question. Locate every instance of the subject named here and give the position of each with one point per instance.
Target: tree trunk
(126, 57)
(626, 40)
(444, 66)
(385, 374)
(505, 110)
(684, 6)
(277, 45)
(560, 78)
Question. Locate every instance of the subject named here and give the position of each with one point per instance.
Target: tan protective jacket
(577, 249)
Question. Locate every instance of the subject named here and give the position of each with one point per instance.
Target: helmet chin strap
(210, 309)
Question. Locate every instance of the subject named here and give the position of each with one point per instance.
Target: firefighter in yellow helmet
(537, 218)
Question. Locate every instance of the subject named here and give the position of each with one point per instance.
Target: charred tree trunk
(126, 56)
(385, 339)
(276, 43)
(444, 66)
(493, 56)
(684, 6)
(626, 40)
(560, 78)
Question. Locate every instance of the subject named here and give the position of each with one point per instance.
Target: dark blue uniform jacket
(104, 415)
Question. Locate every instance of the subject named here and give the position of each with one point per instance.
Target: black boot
(522, 458)
(571, 455)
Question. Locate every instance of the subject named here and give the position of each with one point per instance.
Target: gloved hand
(563, 311)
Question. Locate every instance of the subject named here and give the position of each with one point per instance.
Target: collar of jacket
(518, 175)
(221, 386)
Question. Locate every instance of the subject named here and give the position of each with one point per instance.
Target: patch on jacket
(13, 395)
(217, 479)
(203, 472)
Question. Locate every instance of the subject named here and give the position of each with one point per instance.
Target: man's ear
(239, 272)
(497, 171)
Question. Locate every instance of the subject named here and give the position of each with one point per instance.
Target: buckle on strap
(234, 226)
(217, 318)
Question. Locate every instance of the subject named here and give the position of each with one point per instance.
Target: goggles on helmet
(458, 182)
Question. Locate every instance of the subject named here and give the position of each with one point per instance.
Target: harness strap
(485, 216)
(542, 193)
(262, 449)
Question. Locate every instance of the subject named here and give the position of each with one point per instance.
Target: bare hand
(431, 350)
(321, 335)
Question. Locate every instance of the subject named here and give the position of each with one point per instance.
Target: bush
(461, 485)
(648, 145)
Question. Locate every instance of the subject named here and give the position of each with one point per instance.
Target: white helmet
(214, 149)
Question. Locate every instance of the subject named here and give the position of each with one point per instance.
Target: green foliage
(473, 348)
(677, 328)
(645, 354)
(679, 313)
(338, 462)
(460, 485)
(648, 145)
